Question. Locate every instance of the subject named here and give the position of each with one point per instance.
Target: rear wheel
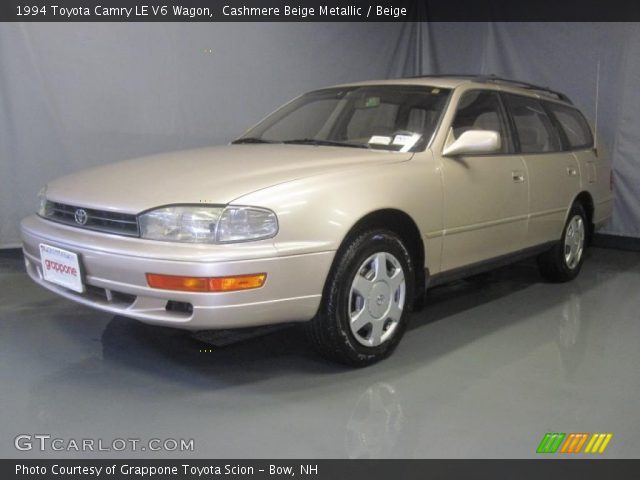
(366, 301)
(563, 262)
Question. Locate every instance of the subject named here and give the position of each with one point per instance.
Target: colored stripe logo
(550, 442)
(598, 443)
(574, 442)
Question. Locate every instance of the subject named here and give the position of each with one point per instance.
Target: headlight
(200, 224)
(239, 224)
(180, 224)
(42, 202)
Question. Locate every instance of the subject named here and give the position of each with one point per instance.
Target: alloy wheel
(574, 242)
(377, 299)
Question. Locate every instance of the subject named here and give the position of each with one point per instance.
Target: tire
(364, 289)
(563, 262)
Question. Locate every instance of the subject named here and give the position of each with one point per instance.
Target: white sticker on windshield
(380, 140)
(406, 141)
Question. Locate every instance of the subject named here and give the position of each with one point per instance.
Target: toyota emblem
(81, 216)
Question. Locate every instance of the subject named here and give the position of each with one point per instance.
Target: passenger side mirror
(474, 142)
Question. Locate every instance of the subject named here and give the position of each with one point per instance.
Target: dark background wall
(563, 56)
(79, 95)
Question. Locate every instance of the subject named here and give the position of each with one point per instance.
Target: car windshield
(395, 118)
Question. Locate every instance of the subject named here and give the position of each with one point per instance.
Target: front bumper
(114, 268)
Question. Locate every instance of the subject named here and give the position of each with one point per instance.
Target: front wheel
(366, 301)
(563, 262)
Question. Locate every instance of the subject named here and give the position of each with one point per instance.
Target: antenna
(595, 122)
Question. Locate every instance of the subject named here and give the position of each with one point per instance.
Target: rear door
(595, 169)
(554, 174)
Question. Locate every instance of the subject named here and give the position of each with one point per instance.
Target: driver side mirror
(474, 142)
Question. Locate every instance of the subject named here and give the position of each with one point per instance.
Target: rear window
(574, 125)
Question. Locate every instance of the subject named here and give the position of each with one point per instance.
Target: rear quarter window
(573, 124)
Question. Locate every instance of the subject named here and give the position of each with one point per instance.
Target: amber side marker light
(206, 284)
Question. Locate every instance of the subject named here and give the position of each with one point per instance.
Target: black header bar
(318, 10)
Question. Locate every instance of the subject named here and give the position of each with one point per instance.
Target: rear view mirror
(474, 142)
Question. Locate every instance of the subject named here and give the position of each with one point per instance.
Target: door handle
(572, 172)
(518, 177)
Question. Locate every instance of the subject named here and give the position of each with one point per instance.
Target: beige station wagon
(338, 210)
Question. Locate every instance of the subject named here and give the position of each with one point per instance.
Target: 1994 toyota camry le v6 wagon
(338, 210)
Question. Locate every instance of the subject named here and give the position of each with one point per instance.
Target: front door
(485, 196)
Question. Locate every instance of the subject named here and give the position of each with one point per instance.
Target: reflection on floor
(489, 366)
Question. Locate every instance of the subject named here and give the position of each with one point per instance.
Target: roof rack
(528, 86)
(504, 81)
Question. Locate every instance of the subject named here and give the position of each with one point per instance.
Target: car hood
(211, 175)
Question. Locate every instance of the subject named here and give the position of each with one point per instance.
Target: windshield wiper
(330, 143)
(251, 140)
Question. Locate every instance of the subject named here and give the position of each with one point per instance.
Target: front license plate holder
(61, 267)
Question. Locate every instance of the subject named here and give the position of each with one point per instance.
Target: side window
(534, 129)
(481, 110)
(573, 124)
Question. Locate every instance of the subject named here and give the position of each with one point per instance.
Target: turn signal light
(206, 284)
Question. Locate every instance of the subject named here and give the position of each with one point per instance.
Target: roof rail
(503, 81)
(525, 85)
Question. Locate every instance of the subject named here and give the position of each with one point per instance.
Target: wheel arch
(585, 199)
(403, 225)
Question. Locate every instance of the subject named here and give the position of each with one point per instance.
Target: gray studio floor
(485, 370)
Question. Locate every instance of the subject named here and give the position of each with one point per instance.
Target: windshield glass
(396, 118)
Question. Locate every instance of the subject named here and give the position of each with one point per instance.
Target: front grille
(99, 220)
